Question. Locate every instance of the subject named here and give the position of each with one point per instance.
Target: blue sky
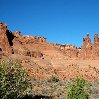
(60, 21)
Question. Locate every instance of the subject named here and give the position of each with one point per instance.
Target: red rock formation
(4, 41)
(13, 42)
(34, 51)
(86, 49)
(96, 39)
(95, 47)
(89, 50)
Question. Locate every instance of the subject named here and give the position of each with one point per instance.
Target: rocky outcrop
(5, 39)
(26, 39)
(15, 43)
(69, 50)
(86, 49)
(89, 50)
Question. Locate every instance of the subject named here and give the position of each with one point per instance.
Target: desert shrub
(54, 79)
(78, 89)
(14, 81)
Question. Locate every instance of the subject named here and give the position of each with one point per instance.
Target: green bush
(78, 89)
(14, 81)
(54, 79)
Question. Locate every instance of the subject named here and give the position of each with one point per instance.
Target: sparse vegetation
(94, 90)
(15, 84)
(14, 81)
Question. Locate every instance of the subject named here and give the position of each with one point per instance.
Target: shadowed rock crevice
(1, 53)
(10, 37)
(42, 97)
(37, 97)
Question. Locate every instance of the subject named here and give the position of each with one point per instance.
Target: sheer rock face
(5, 39)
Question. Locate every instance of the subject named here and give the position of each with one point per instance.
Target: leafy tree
(14, 81)
(78, 89)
